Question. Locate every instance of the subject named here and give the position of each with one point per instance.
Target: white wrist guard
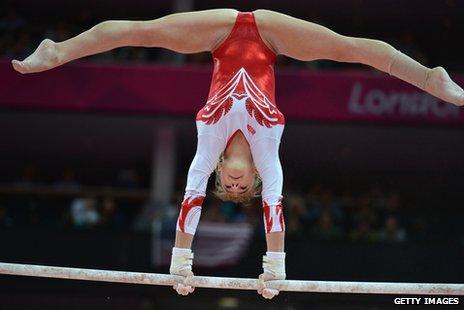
(181, 262)
(274, 264)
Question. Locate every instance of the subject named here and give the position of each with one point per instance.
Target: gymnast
(240, 126)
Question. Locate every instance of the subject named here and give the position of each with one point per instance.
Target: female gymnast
(240, 127)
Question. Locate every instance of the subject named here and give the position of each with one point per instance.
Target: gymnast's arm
(308, 41)
(265, 153)
(190, 32)
(209, 148)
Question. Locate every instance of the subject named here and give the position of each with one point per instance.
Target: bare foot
(442, 86)
(44, 57)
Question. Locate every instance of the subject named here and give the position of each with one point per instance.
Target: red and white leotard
(241, 98)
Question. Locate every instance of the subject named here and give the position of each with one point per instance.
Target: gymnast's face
(237, 175)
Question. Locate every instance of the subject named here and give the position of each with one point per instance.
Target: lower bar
(232, 283)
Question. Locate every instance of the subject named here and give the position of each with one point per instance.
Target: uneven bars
(232, 283)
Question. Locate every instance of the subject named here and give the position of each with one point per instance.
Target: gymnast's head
(237, 179)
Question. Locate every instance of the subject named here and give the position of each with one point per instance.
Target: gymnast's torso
(241, 98)
(243, 75)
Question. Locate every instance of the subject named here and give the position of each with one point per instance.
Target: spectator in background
(392, 205)
(110, 217)
(364, 210)
(212, 211)
(84, 213)
(296, 214)
(363, 232)
(347, 203)
(391, 231)
(325, 202)
(325, 229)
(168, 214)
(254, 214)
(232, 212)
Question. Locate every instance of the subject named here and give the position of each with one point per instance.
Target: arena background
(94, 158)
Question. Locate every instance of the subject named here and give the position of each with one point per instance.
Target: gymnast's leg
(172, 32)
(308, 41)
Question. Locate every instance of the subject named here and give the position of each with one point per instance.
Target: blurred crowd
(34, 201)
(370, 216)
(319, 213)
(373, 215)
(19, 38)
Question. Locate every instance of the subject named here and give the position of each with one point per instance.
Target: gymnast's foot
(44, 57)
(442, 86)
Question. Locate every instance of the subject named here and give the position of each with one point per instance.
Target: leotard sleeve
(206, 158)
(266, 157)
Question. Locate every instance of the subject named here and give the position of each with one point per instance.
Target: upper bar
(233, 283)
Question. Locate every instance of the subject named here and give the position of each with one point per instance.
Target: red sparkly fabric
(273, 217)
(188, 205)
(243, 70)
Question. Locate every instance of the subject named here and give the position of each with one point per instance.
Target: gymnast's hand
(274, 269)
(442, 86)
(44, 57)
(181, 265)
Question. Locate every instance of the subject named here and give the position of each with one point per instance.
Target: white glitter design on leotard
(257, 103)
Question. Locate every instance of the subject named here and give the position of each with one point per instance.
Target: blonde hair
(245, 198)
